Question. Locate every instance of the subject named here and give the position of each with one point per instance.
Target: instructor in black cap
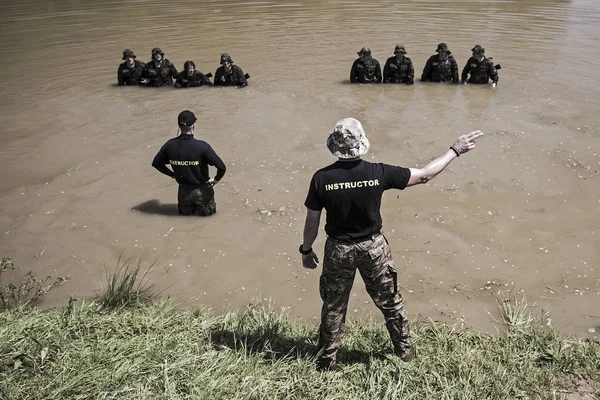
(190, 158)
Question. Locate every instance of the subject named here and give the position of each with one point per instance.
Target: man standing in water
(229, 74)
(350, 190)
(130, 72)
(190, 158)
(399, 68)
(441, 67)
(365, 68)
(480, 68)
(159, 71)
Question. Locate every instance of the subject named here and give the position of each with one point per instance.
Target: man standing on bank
(350, 190)
(190, 158)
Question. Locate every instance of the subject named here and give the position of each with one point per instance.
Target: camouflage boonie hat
(399, 49)
(365, 51)
(226, 58)
(157, 50)
(478, 49)
(347, 139)
(442, 47)
(128, 53)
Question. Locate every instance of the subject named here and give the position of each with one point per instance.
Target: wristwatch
(305, 252)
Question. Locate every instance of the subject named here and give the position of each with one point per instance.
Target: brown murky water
(521, 212)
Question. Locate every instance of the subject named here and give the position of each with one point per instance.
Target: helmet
(226, 58)
(399, 49)
(157, 50)
(478, 49)
(442, 47)
(365, 51)
(127, 53)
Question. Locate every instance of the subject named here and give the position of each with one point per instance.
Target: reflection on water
(77, 149)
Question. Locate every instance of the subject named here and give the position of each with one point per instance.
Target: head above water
(226, 58)
(399, 49)
(189, 66)
(157, 52)
(478, 50)
(128, 54)
(364, 52)
(347, 140)
(442, 47)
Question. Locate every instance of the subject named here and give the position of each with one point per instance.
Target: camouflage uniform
(127, 75)
(373, 259)
(399, 71)
(160, 75)
(481, 72)
(441, 67)
(368, 71)
(197, 79)
(196, 200)
(235, 77)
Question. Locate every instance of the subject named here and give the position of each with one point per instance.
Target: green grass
(160, 352)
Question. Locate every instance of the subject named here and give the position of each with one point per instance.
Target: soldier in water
(191, 77)
(159, 71)
(480, 68)
(399, 68)
(441, 67)
(130, 72)
(365, 68)
(229, 74)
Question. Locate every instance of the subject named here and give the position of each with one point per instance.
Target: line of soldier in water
(440, 67)
(160, 71)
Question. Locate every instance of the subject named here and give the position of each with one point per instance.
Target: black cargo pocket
(322, 285)
(394, 274)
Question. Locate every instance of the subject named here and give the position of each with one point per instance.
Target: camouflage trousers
(196, 200)
(373, 259)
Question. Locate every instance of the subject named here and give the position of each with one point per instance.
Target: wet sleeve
(312, 201)
(493, 72)
(411, 73)
(386, 71)
(211, 158)
(353, 77)
(217, 81)
(454, 70)
(160, 161)
(465, 71)
(426, 70)
(120, 80)
(137, 74)
(378, 73)
(395, 177)
(241, 79)
(173, 71)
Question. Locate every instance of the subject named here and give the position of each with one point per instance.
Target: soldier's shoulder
(407, 58)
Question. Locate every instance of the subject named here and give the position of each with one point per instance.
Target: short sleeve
(395, 177)
(312, 199)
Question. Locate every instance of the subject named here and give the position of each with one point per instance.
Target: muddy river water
(521, 212)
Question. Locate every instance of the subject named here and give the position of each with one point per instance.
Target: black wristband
(305, 252)
(455, 151)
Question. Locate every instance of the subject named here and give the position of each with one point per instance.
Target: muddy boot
(326, 365)
(406, 354)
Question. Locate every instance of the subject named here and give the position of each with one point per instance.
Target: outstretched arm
(464, 144)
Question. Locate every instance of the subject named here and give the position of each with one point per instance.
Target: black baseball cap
(186, 118)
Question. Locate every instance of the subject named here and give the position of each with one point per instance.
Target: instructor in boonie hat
(350, 190)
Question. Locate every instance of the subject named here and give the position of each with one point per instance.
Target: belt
(372, 236)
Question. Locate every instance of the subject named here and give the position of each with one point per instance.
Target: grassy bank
(159, 352)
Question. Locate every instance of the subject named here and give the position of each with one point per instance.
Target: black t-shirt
(189, 158)
(351, 193)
